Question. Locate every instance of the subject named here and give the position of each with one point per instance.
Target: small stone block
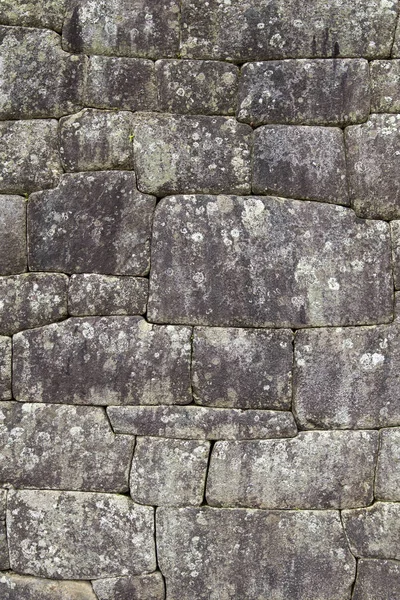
(3, 500)
(4, 559)
(5, 368)
(377, 580)
(20, 587)
(33, 13)
(387, 483)
(12, 235)
(385, 86)
(395, 231)
(145, 587)
(92, 294)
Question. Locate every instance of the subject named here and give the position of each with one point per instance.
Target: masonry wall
(199, 333)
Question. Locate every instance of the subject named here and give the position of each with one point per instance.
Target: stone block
(169, 472)
(123, 83)
(308, 163)
(242, 368)
(188, 154)
(374, 532)
(317, 470)
(92, 222)
(62, 447)
(5, 368)
(197, 87)
(347, 378)
(304, 92)
(200, 423)
(387, 483)
(31, 300)
(104, 361)
(208, 553)
(92, 140)
(29, 157)
(92, 294)
(33, 13)
(267, 262)
(395, 231)
(3, 500)
(79, 535)
(4, 559)
(377, 580)
(146, 587)
(123, 28)
(19, 587)
(385, 86)
(12, 235)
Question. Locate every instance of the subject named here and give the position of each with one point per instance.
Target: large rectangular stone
(374, 532)
(103, 360)
(210, 554)
(20, 587)
(33, 13)
(12, 235)
(5, 368)
(267, 262)
(387, 482)
(377, 580)
(318, 470)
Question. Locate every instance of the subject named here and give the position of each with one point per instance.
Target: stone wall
(199, 338)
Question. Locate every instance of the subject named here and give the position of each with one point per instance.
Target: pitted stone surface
(12, 235)
(387, 483)
(31, 300)
(92, 222)
(17, 587)
(318, 470)
(123, 28)
(242, 368)
(4, 558)
(92, 140)
(62, 447)
(304, 92)
(50, 84)
(33, 13)
(29, 157)
(214, 258)
(182, 83)
(347, 378)
(374, 532)
(146, 587)
(385, 86)
(79, 535)
(209, 553)
(188, 154)
(395, 231)
(103, 360)
(91, 294)
(377, 580)
(300, 162)
(200, 423)
(5, 369)
(169, 472)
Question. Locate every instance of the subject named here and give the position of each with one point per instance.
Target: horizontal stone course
(145, 587)
(5, 368)
(377, 579)
(12, 235)
(16, 587)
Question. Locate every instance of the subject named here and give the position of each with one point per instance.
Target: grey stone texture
(121, 83)
(200, 423)
(33, 13)
(374, 532)
(373, 162)
(5, 368)
(197, 87)
(304, 92)
(92, 222)
(50, 84)
(191, 154)
(12, 235)
(79, 535)
(377, 580)
(123, 28)
(385, 86)
(347, 378)
(315, 470)
(395, 231)
(3, 499)
(29, 156)
(92, 140)
(31, 300)
(104, 361)
(169, 472)
(19, 587)
(242, 368)
(4, 558)
(62, 447)
(387, 482)
(207, 553)
(213, 260)
(91, 294)
(145, 587)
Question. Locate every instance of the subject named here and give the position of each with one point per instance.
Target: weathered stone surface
(207, 553)
(242, 368)
(31, 300)
(385, 86)
(377, 580)
(188, 154)
(124, 83)
(5, 368)
(169, 472)
(319, 470)
(347, 378)
(197, 422)
(3, 498)
(387, 484)
(267, 262)
(47, 84)
(147, 587)
(197, 87)
(373, 162)
(92, 294)
(103, 360)
(79, 535)
(29, 158)
(91, 222)
(19, 587)
(4, 559)
(92, 140)
(374, 532)
(300, 162)
(62, 447)
(304, 92)
(12, 235)
(33, 13)
(395, 231)
(123, 28)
